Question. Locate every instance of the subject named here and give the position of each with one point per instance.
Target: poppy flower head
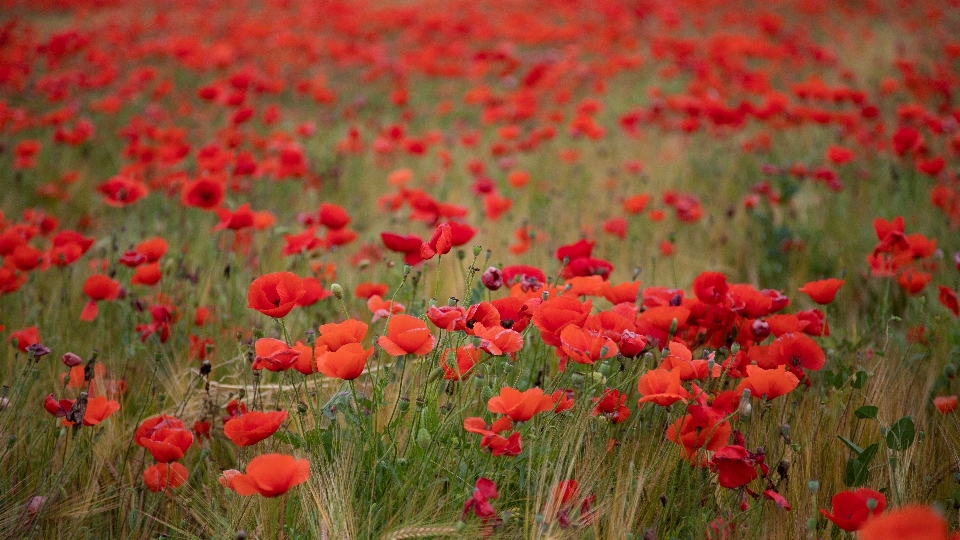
(168, 444)
(253, 427)
(407, 335)
(275, 294)
(822, 291)
(520, 406)
(850, 510)
(269, 475)
(274, 355)
(162, 476)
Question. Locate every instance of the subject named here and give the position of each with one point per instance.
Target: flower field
(556, 269)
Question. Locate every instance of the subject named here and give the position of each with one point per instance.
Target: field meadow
(601, 269)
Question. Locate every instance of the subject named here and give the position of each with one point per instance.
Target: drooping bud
(337, 291)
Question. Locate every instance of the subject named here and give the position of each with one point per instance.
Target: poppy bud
(406, 270)
(302, 408)
(492, 278)
(337, 291)
(71, 360)
(486, 393)
(745, 407)
(404, 404)
(735, 349)
(423, 438)
(311, 337)
(760, 329)
(241, 393)
(813, 486)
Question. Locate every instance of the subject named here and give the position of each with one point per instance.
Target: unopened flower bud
(492, 278)
(406, 270)
(423, 438)
(71, 360)
(337, 291)
(813, 486)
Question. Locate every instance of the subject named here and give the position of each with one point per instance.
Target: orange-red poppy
(98, 288)
(822, 291)
(270, 475)
(274, 355)
(407, 335)
(253, 427)
(161, 476)
(275, 294)
(168, 443)
(662, 387)
(520, 406)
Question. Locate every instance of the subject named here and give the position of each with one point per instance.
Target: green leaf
(867, 411)
(901, 433)
(856, 449)
(855, 474)
(868, 453)
(859, 380)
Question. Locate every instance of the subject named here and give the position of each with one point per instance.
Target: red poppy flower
(823, 291)
(479, 502)
(241, 218)
(121, 191)
(945, 404)
(253, 427)
(146, 274)
(382, 308)
(98, 287)
(407, 335)
(520, 406)
(449, 318)
(702, 427)
(161, 476)
(768, 383)
(612, 405)
(465, 357)
(150, 425)
(662, 387)
(949, 300)
(275, 294)
(910, 522)
(850, 510)
(270, 475)
(439, 244)
(274, 355)
(168, 444)
(497, 340)
(735, 466)
(552, 316)
(333, 216)
(710, 287)
(206, 193)
(25, 337)
(366, 290)
(798, 351)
